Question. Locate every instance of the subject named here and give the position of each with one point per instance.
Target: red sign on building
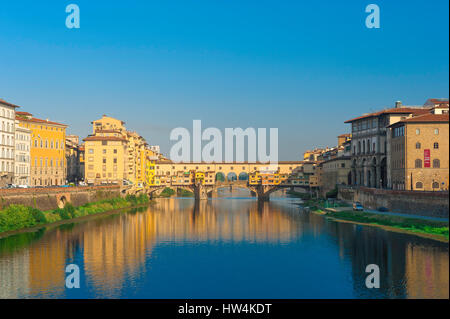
(426, 158)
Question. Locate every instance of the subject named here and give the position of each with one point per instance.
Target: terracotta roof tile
(426, 118)
(104, 138)
(36, 120)
(7, 103)
(400, 110)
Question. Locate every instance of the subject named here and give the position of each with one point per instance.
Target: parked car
(23, 186)
(358, 206)
(82, 184)
(127, 182)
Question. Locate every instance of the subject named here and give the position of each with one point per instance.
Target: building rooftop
(28, 117)
(104, 138)
(8, 104)
(425, 118)
(395, 110)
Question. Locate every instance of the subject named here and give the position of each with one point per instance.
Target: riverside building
(7, 145)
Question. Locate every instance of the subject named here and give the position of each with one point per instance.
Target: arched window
(418, 163)
(418, 145)
(436, 145)
(436, 131)
(436, 163)
(419, 185)
(435, 185)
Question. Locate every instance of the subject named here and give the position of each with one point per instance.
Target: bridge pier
(200, 192)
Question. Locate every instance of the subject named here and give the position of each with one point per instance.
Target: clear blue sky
(302, 66)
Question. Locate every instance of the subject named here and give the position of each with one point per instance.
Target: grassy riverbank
(425, 228)
(17, 217)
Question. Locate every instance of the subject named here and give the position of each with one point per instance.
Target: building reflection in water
(117, 250)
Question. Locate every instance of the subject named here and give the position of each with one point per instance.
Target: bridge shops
(205, 179)
(225, 171)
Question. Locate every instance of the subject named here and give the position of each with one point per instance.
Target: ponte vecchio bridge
(205, 179)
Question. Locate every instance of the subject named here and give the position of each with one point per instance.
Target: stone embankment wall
(432, 204)
(54, 197)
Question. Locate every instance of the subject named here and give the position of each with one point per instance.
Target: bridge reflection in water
(157, 252)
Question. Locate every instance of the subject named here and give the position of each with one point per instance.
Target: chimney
(398, 104)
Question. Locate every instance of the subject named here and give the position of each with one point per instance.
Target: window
(436, 163)
(104, 142)
(115, 151)
(418, 145)
(419, 185)
(436, 131)
(436, 145)
(104, 151)
(417, 131)
(398, 131)
(91, 151)
(435, 185)
(418, 163)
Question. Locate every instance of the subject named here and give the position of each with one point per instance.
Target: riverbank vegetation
(433, 229)
(16, 217)
(414, 225)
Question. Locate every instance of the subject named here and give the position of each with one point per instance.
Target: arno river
(229, 247)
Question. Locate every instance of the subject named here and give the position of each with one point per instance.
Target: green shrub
(62, 213)
(70, 210)
(52, 217)
(38, 215)
(16, 217)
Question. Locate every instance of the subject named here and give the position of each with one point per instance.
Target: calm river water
(229, 247)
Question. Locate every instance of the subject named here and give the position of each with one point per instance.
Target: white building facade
(22, 155)
(7, 144)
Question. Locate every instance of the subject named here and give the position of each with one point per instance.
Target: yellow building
(419, 153)
(199, 178)
(254, 178)
(47, 153)
(150, 173)
(104, 156)
(128, 160)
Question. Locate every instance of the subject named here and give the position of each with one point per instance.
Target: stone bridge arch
(62, 199)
